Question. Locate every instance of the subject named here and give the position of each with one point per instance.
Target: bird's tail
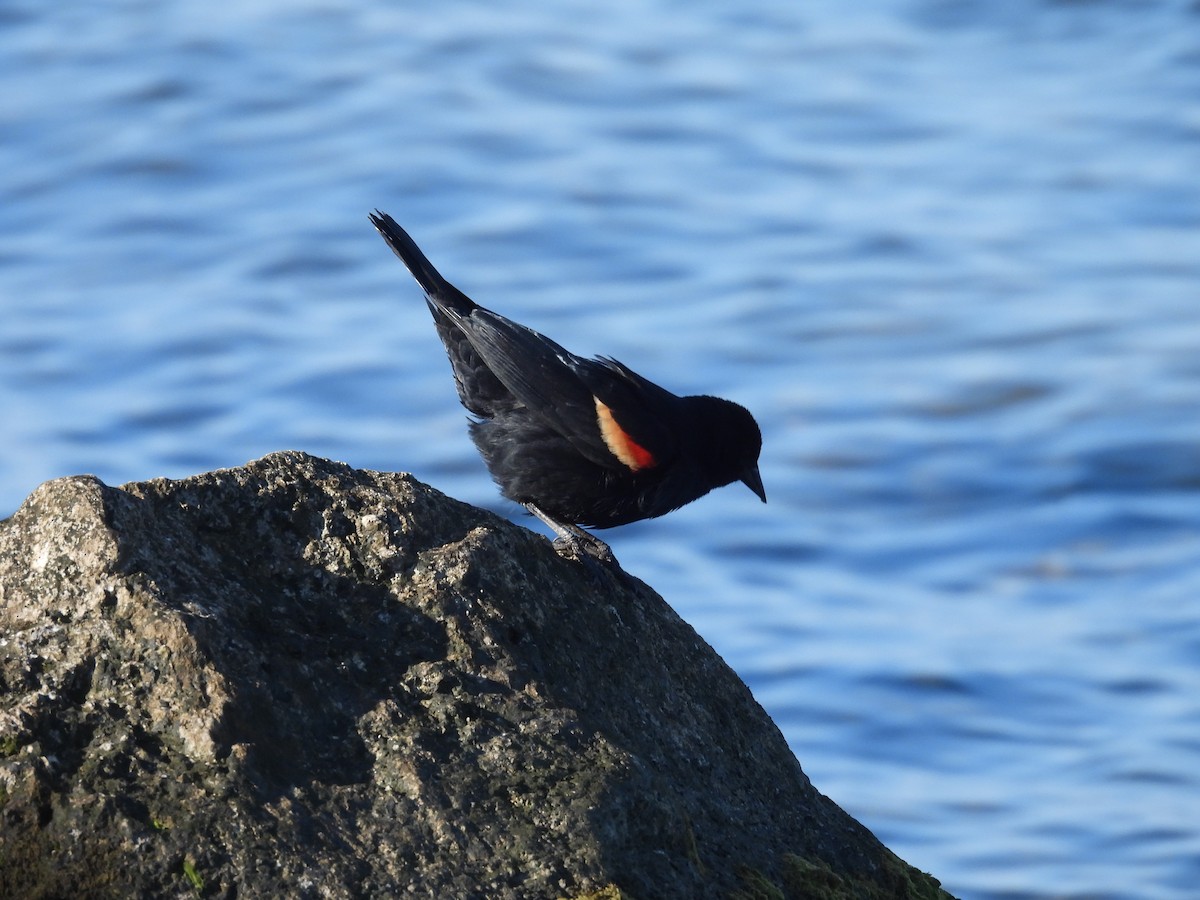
(436, 288)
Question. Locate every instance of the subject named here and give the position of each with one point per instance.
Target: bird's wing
(644, 413)
(605, 422)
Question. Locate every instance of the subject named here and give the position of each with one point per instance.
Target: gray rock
(295, 679)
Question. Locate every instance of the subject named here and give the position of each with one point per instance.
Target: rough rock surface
(298, 679)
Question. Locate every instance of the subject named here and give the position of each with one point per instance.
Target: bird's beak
(751, 479)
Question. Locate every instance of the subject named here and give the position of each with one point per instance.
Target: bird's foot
(574, 542)
(585, 547)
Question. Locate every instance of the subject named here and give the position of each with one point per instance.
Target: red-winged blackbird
(578, 441)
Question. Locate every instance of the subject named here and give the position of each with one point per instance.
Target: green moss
(805, 879)
(756, 886)
(693, 851)
(9, 745)
(608, 892)
(193, 877)
(817, 881)
(910, 883)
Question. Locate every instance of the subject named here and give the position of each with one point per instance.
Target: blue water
(947, 252)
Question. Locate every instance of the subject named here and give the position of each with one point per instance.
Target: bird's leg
(573, 538)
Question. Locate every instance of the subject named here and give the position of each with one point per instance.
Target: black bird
(578, 441)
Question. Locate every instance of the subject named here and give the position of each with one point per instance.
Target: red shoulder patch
(623, 447)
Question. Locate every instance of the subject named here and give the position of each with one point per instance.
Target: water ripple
(947, 252)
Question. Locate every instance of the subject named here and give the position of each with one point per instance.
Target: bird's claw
(585, 547)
